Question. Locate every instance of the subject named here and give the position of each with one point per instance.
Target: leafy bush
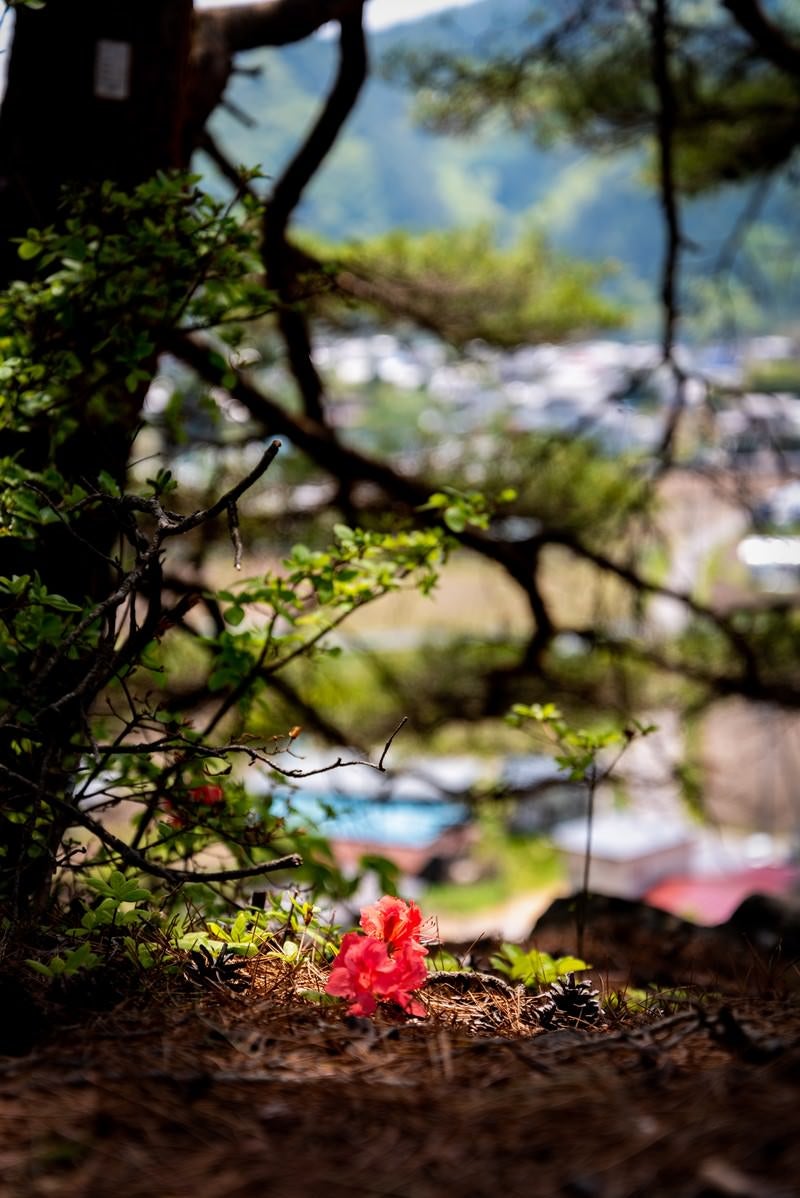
(101, 774)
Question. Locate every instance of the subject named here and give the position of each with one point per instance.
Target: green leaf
(245, 948)
(317, 996)
(566, 965)
(59, 603)
(533, 968)
(108, 484)
(39, 967)
(324, 589)
(437, 500)
(79, 958)
(455, 519)
(193, 940)
(29, 249)
(441, 959)
(239, 929)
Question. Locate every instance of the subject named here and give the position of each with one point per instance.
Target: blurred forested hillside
(388, 172)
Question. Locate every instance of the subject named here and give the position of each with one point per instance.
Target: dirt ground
(216, 1095)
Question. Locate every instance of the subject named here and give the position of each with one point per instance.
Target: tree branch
(232, 496)
(210, 146)
(738, 643)
(137, 860)
(759, 690)
(665, 130)
(666, 119)
(270, 22)
(519, 559)
(315, 439)
(168, 525)
(770, 39)
(279, 263)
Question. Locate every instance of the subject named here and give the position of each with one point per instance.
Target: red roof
(711, 900)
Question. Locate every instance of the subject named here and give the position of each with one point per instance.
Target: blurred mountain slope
(387, 172)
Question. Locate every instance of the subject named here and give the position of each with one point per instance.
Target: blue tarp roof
(395, 822)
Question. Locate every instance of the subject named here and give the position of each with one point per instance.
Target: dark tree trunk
(103, 90)
(111, 89)
(95, 91)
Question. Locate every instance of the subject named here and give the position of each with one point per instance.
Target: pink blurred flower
(208, 795)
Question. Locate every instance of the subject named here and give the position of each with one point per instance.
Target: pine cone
(570, 1002)
(222, 971)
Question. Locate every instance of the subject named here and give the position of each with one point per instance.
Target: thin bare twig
(388, 744)
(210, 146)
(137, 860)
(235, 535)
(168, 525)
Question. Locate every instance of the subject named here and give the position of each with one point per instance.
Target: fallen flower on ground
(394, 921)
(363, 972)
(385, 964)
(410, 974)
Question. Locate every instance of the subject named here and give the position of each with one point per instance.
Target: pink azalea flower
(363, 971)
(384, 965)
(394, 921)
(410, 974)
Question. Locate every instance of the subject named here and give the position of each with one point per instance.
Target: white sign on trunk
(112, 70)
